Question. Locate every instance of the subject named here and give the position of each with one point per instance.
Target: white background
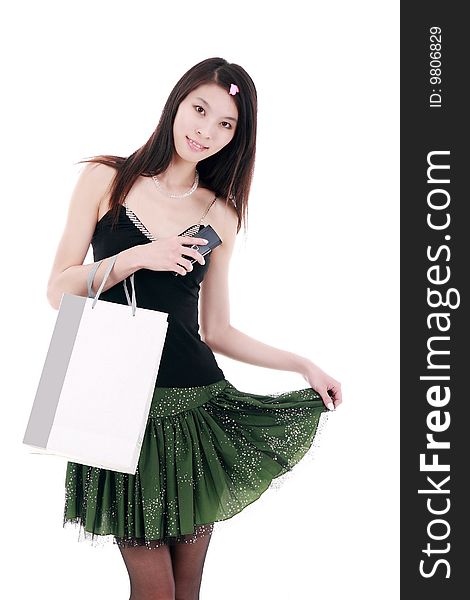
(316, 274)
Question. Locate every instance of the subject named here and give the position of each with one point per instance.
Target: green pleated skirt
(207, 453)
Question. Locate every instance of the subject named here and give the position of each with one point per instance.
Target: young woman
(209, 449)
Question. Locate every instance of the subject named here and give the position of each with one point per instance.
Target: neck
(178, 176)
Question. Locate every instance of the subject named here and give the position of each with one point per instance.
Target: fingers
(184, 265)
(192, 239)
(327, 400)
(193, 251)
(338, 398)
(332, 397)
(179, 270)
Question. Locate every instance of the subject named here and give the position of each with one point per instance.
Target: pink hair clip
(233, 89)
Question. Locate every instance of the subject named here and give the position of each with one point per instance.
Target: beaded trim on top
(192, 230)
(133, 217)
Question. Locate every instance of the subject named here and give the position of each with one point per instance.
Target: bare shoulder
(225, 219)
(91, 188)
(93, 185)
(214, 309)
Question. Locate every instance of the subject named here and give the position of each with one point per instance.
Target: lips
(197, 143)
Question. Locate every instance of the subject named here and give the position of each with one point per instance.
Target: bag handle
(91, 276)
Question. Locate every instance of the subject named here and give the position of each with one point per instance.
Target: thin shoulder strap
(208, 209)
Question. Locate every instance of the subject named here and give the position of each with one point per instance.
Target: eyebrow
(207, 104)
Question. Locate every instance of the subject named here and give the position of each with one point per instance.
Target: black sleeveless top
(186, 360)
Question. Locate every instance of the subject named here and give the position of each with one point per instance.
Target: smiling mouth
(196, 144)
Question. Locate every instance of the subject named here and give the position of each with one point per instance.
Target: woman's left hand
(328, 388)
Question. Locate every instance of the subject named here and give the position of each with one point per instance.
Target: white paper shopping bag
(95, 391)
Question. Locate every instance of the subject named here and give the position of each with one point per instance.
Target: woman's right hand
(166, 254)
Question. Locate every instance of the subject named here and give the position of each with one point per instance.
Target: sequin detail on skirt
(207, 453)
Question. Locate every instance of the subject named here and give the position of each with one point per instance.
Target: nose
(202, 134)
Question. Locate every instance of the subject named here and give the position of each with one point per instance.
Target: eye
(196, 106)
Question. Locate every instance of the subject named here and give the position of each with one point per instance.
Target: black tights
(168, 572)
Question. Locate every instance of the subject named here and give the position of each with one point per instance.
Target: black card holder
(213, 240)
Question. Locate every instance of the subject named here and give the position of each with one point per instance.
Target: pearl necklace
(183, 195)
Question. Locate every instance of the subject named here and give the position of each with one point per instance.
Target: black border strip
(434, 271)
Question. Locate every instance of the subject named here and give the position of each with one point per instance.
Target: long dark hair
(228, 173)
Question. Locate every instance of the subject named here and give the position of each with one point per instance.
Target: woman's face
(208, 115)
